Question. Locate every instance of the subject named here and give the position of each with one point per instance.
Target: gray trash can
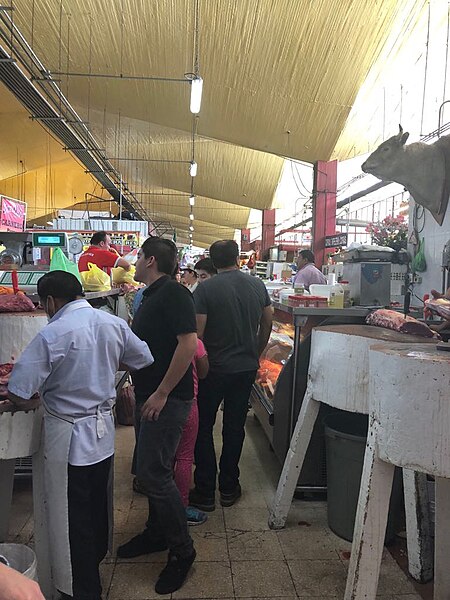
(345, 440)
(21, 558)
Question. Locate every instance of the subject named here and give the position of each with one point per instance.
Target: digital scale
(29, 253)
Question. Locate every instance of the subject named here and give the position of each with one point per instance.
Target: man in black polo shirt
(234, 318)
(164, 393)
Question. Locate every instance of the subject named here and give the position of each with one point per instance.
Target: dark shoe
(140, 544)
(205, 503)
(174, 574)
(228, 499)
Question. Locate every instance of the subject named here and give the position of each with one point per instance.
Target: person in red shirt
(101, 254)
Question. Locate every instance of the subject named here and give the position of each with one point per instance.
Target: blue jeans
(156, 449)
(234, 389)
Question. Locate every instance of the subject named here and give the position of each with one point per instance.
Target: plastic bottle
(346, 286)
(337, 296)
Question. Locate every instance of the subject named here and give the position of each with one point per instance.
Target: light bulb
(196, 95)
(191, 228)
(193, 168)
(191, 200)
(50, 223)
(191, 216)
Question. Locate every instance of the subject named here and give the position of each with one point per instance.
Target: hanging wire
(426, 70)
(446, 51)
(196, 65)
(68, 54)
(90, 70)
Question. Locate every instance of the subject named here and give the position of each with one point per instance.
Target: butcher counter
(282, 378)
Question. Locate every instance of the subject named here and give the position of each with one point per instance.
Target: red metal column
(268, 230)
(245, 240)
(324, 207)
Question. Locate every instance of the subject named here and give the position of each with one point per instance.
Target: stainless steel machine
(369, 282)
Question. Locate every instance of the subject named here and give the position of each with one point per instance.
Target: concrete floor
(237, 555)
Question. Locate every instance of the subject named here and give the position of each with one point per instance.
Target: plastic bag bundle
(120, 275)
(60, 262)
(95, 280)
(419, 264)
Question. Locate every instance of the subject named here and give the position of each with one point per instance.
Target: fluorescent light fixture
(50, 223)
(191, 216)
(192, 168)
(191, 228)
(191, 200)
(196, 95)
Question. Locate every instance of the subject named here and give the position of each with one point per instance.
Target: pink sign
(12, 214)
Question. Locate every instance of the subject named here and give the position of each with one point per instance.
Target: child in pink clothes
(185, 451)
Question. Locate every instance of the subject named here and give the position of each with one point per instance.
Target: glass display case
(274, 358)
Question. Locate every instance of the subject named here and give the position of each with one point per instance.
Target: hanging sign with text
(336, 241)
(13, 214)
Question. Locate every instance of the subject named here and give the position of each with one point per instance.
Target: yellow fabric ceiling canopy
(280, 78)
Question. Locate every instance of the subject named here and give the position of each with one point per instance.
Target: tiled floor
(237, 555)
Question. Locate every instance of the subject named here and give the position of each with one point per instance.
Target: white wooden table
(409, 426)
(339, 377)
(19, 431)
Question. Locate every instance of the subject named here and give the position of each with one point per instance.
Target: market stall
(282, 379)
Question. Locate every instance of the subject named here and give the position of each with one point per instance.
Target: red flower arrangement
(391, 232)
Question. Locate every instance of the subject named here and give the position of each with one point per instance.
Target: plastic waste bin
(21, 558)
(345, 441)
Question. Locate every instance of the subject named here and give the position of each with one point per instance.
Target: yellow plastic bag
(120, 276)
(95, 280)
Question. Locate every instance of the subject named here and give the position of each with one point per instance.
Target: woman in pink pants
(185, 452)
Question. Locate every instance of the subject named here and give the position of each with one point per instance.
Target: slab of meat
(16, 303)
(390, 319)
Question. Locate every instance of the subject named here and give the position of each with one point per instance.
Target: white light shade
(191, 228)
(191, 200)
(193, 168)
(191, 216)
(196, 95)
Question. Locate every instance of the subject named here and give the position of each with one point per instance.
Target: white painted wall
(436, 237)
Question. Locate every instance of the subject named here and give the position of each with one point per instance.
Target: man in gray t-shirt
(234, 319)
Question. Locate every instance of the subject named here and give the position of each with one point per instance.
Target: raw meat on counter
(15, 303)
(5, 371)
(390, 319)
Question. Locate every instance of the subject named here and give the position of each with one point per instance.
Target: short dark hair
(224, 253)
(206, 264)
(307, 255)
(59, 284)
(165, 253)
(98, 237)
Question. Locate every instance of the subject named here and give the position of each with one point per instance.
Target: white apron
(51, 515)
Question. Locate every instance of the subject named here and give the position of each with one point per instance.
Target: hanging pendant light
(196, 94)
(192, 168)
(192, 201)
(191, 216)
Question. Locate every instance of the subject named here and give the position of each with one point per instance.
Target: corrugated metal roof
(269, 67)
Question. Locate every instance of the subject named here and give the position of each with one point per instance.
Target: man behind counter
(101, 254)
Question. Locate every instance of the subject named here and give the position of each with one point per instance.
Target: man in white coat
(72, 363)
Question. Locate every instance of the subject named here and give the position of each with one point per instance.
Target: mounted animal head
(384, 162)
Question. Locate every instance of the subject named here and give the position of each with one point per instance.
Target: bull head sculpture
(424, 170)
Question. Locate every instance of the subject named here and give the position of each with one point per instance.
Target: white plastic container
(284, 295)
(320, 289)
(21, 558)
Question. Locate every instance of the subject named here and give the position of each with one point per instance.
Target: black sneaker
(228, 499)
(174, 573)
(140, 544)
(205, 503)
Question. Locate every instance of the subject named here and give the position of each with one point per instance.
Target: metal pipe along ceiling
(56, 113)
